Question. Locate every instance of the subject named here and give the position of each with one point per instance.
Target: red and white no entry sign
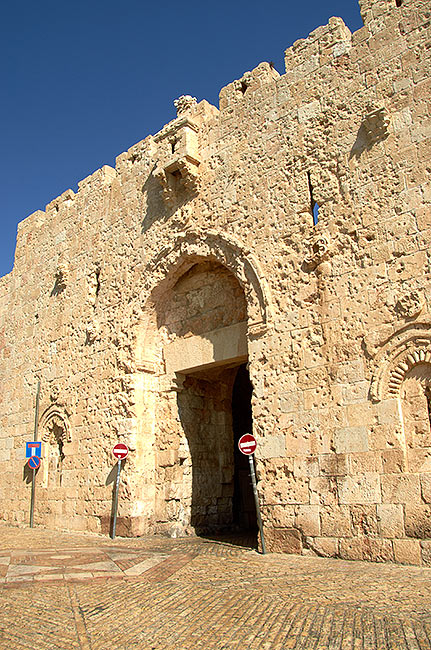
(120, 451)
(247, 444)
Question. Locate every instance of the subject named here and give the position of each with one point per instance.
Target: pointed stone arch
(173, 261)
(164, 269)
(55, 416)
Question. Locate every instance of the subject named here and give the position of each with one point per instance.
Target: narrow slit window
(97, 281)
(314, 206)
(398, 3)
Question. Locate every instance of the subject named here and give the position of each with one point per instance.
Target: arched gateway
(194, 395)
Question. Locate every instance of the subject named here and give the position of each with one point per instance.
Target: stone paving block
(216, 596)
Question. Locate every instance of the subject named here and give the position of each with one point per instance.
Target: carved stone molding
(54, 393)
(397, 356)
(180, 176)
(54, 423)
(411, 358)
(172, 383)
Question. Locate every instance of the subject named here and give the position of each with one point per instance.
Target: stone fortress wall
(135, 300)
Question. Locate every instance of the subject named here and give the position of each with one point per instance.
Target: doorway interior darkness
(215, 410)
(243, 507)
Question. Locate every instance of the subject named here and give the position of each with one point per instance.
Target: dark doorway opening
(243, 507)
(214, 408)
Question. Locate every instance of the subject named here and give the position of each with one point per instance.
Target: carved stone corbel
(319, 251)
(376, 123)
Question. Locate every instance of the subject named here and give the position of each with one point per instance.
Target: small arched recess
(55, 433)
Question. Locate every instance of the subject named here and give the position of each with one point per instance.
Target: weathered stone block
(419, 460)
(280, 516)
(364, 488)
(426, 552)
(323, 491)
(426, 487)
(325, 546)
(358, 415)
(306, 466)
(377, 550)
(335, 521)
(393, 461)
(418, 520)
(390, 519)
(365, 462)
(288, 490)
(272, 447)
(407, 551)
(283, 540)
(308, 520)
(352, 548)
(351, 439)
(364, 520)
(401, 488)
(333, 464)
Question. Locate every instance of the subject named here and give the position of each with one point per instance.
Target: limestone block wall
(218, 206)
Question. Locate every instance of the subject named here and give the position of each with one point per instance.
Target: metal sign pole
(33, 480)
(32, 498)
(117, 487)
(256, 500)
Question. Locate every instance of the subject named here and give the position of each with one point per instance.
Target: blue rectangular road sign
(33, 449)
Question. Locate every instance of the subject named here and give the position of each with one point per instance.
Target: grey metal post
(117, 487)
(256, 500)
(36, 430)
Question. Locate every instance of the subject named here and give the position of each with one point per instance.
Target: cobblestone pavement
(65, 591)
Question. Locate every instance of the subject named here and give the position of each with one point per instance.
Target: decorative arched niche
(55, 433)
(403, 379)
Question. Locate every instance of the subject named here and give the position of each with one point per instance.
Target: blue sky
(84, 81)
